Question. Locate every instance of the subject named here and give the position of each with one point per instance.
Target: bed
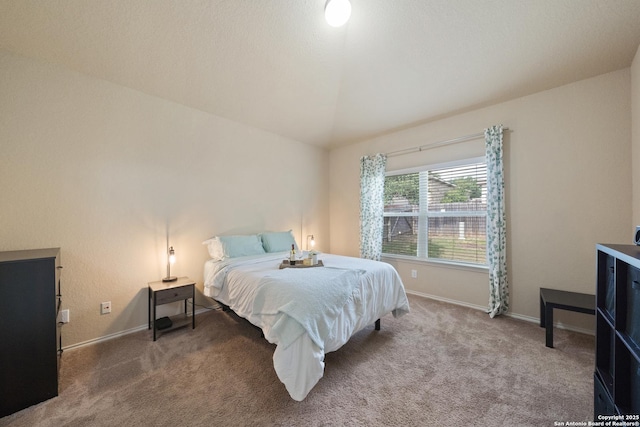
(306, 312)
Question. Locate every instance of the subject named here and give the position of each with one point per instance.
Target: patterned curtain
(496, 223)
(372, 171)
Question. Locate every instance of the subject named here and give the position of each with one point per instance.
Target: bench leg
(548, 319)
(377, 325)
(542, 313)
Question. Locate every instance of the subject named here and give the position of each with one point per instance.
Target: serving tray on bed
(285, 264)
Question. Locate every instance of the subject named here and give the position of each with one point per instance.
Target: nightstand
(165, 292)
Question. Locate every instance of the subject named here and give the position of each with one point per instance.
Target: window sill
(435, 263)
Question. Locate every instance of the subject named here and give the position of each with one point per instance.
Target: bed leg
(378, 325)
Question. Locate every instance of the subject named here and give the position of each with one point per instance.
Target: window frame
(424, 217)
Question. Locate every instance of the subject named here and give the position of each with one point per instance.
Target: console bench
(563, 300)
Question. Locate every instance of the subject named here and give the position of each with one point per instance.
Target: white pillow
(214, 246)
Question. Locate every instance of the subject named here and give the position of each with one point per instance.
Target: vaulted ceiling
(278, 66)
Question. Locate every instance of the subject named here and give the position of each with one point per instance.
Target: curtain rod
(438, 144)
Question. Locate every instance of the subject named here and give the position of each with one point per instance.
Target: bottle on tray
(292, 255)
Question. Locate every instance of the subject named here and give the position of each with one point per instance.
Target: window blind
(437, 213)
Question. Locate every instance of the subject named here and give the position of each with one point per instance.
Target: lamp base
(169, 279)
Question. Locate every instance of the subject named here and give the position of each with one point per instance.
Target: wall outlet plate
(64, 316)
(105, 307)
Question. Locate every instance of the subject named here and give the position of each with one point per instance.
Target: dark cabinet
(617, 370)
(29, 333)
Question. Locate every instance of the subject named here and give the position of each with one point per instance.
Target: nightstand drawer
(174, 294)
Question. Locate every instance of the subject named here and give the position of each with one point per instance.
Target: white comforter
(244, 284)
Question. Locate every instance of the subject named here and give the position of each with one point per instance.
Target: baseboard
(450, 301)
(420, 294)
(117, 334)
(530, 319)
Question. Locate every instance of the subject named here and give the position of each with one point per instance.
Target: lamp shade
(311, 242)
(172, 256)
(337, 12)
(171, 259)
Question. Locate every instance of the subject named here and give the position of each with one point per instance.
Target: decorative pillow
(279, 241)
(221, 247)
(235, 246)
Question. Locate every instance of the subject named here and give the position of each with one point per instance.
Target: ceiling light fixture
(337, 12)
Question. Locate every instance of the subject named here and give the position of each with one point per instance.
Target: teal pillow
(279, 241)
(235, 246)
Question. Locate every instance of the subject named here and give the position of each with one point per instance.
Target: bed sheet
(300, 365)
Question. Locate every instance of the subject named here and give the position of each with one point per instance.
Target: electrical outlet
(105, 307)
(64, 316)
(414, 274)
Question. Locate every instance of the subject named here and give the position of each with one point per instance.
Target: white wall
(568, 187)
(102, 171)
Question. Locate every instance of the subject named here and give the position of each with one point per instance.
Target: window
(437, 213)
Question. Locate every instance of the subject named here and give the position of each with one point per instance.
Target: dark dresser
(29, 333)
(617, 375)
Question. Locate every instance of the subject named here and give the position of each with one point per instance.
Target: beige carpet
(440, 365)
